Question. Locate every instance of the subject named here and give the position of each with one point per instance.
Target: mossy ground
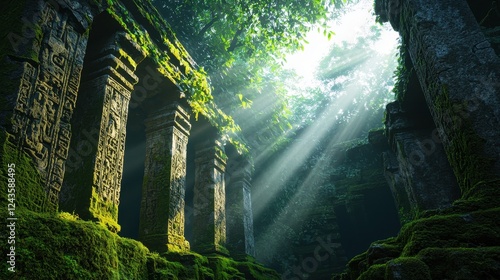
(61, 246)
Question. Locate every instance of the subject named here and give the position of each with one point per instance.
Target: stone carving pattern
(210, 200)
(219, 208)
(46, 100)
(111, 145)
(177, 183)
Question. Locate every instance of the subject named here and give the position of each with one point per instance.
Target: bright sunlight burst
(353, 24)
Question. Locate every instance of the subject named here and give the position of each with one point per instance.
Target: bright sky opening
(356, 22)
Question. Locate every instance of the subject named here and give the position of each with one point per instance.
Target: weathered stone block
(52, 60)
(161, 225)
(94, 172)
(239, 216)
(210, 199)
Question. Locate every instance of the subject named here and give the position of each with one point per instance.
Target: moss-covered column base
(94, 170)
(161, 225)
(239, 216)
(210, 199)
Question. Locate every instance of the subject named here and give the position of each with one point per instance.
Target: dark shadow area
(133, 173)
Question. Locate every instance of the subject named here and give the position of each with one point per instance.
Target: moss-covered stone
(459, 245)
(462, 263)
(407, 269)
(61, 246)
(29, 190)
(474, 229)
(375, 272)
(465, 149)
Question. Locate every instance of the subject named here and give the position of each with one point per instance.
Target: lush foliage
(355, 80)
(241, 45)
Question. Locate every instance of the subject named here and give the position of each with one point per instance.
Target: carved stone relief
(162, 208)
(239, 210)
(47, 96)
(111, 145)
(210, 199)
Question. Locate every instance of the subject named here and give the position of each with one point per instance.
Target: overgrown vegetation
(61, 246)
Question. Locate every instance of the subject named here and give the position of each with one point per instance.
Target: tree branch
(207, 26)
(234, 43)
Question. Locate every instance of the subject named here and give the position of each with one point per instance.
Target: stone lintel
(212, 154)
(173, 115)
(112, 66)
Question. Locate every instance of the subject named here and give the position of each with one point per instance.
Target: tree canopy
(242, 44)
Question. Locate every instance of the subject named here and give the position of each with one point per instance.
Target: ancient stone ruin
(78, 67)
(77, 74)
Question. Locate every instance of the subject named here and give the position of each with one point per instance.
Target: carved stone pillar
(210, 199)
(95, 164)
(161, 225)
(239, 215)
(48, 81)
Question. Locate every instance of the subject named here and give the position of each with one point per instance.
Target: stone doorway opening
(133, 174)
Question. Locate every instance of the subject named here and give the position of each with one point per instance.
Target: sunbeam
(344, 105)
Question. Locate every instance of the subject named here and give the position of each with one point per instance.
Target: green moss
(105, 212)
(465, 150)
(357, 265)
(224, 269)
(375, 272)
(29, 189)
(443, 242)
(462, 263)
(456, 230)
(408, 269)
(253, 270)
(60, 246)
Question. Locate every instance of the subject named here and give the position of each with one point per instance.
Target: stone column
(419, 154)
(161, 225)
(209, 199)
(47, 78)
(95, 164)
(239, 215)
(459, 73)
